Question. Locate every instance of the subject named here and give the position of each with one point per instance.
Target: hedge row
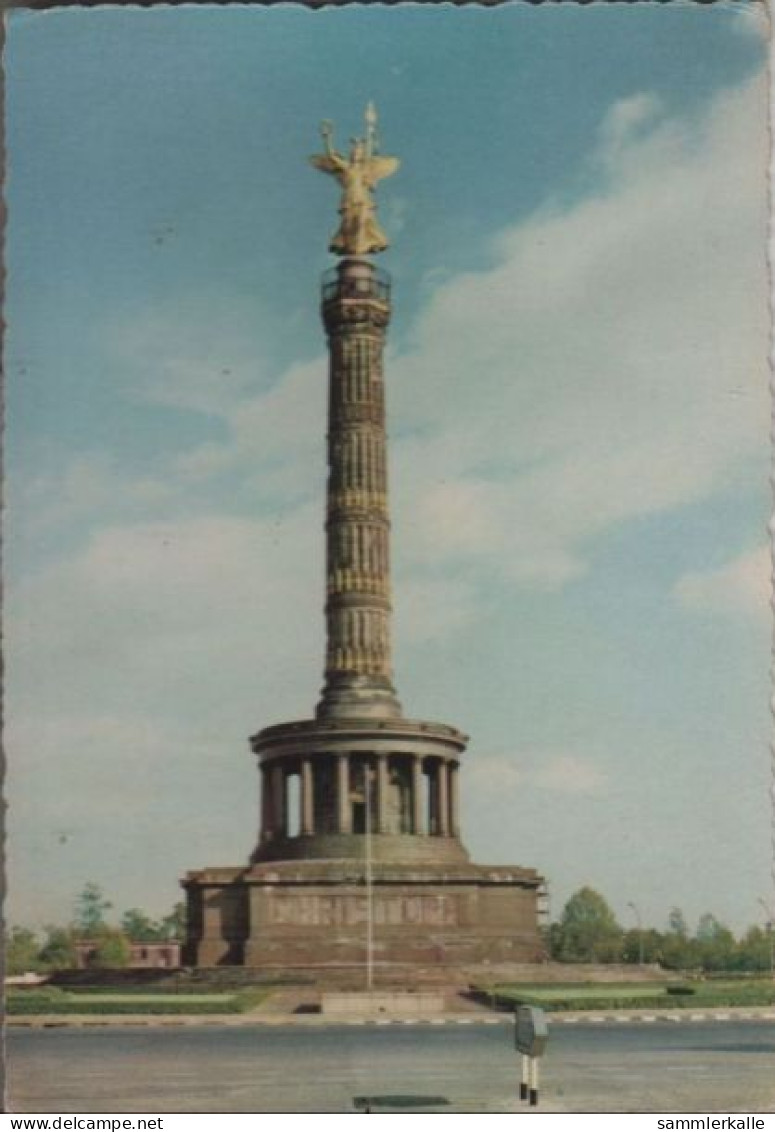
(51, 1000)
(32, 1005)
(761, 996)
(148, 989)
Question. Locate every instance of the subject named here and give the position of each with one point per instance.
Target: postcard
(387, 577)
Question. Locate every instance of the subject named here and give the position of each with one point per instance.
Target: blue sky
(578, 412)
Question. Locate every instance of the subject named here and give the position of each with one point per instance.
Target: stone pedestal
(310, 918)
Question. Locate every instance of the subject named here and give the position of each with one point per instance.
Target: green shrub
(52, 1000)
(33, 994)
(755, 994)
(148, 989)
(84, 1006)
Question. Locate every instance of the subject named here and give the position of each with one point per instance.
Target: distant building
(156, 954)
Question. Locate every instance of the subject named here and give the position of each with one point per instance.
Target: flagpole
(369, 882)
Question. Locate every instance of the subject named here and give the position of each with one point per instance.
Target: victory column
(378, 794)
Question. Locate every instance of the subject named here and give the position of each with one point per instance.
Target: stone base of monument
(381, 1004)
(294, 916)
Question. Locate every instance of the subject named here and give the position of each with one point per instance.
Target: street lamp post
(770, 926)
(640, 931)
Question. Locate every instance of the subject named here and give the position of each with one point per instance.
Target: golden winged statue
(359, 233)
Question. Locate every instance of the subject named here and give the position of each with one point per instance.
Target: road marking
(649, 1018)
(697, 1017)
(597, 1018)
(438, 1021)
(410, 1021)
(491, 1021)
(721, 1017)
(464, 1021)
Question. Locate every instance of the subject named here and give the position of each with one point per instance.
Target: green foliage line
(167, 989)
(757, 995)
(588, 932)
(52, 1000)
(33, 1005)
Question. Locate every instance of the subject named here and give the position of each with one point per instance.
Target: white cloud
(743, 586)
(750, 20)
(571, 774)
(612, 365)
(197, 353)
(88, 486)
(428, 609)
(556, 773)
(160, 613)
(624, 120)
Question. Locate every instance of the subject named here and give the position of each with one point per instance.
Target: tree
(553, 940)
(22, 951)
(90, 909)
(716, 944)
(174, 925)
(678, 951)
(754, 950)
(139, 927)
(588, 931)
(676, 923)
(58, 950)
(648, 942)
(112, 950)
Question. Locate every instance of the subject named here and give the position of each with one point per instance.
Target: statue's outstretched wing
(380, 167)
(325, 163)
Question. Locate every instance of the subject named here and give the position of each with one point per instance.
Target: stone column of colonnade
(432, 811)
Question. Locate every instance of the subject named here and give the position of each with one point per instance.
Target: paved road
(686, 1067)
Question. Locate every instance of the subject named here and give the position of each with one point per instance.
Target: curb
(80, 1021)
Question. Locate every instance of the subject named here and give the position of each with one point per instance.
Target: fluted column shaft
(382, 793)
(418, 825)
(442, 798)
(307, 798)
(266, 805)
(356, 312)
(278, 800)
(344, 813)
(454, 799)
